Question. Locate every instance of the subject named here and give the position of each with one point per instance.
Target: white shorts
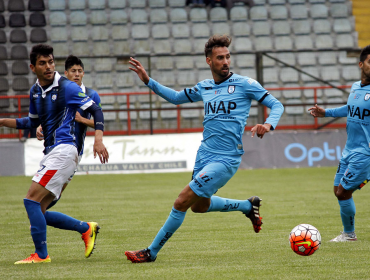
(56, 167)
(71, 177)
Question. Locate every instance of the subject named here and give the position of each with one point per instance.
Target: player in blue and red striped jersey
(354, 166)
(227, 100)
(54, 101)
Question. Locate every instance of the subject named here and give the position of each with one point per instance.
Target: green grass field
(132, 208)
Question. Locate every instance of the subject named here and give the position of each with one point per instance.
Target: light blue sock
(220, 204)
(62, 221)
(347, 213)
(173, 222)
(38, 226)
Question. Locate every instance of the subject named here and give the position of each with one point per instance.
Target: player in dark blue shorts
(354, 167)
(227, 100)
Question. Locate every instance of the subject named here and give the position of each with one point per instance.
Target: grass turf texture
(131, 209)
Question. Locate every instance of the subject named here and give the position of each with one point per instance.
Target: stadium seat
(58, 19)
(288, 75)
(218, 14)
(190, 114)
(343, 59)
(180, 31)
(79, 34)
(145, 115)
(200, 30)
(16, 6)
(99, 33)
(303, 42)
(118, 17)
(161, 46)
(38, 35)
(281, 28)
(2, 6)
(330, 73)
(258, 13)
(221, 28)
(25, 102)
(184, 62)
(296, 2)
(158, 16)
(306, 59)
(277, 2)
(287, 57)
(345, 41)
(98, 18)
(301, 27)
(98, 4)
(20, 84)
(77, 5)
(200, 62)
(324, 42)
(178, 15)
(168, 114)
(327, 58)
(163, 63)
(101, 48)
(279, 12)
(125, 79)
(57, 5)
(36, 5)
(60, 34)
(4, 85)
(317, 2)
(117, 4)
(19, 52)
(204, 75)
(157, 3)
(104, 64)
(267, 62)
(270, 75)
(182, 46)
(238, 14)
(3, 68)
(166, 78)
(342, 25)
(337, 1)
(160, 31)
(313, 70)
(262, 43)
(119, 33)
(261, 28)
(351, 73)
(104, 80)
(139, 31)
(243, 44)
(298, 12)
(292, 93)
(187, 78)
(61, 50)
(319, 11)
(141, 47)
(37, 20)
(3, 53)
(198, 15)
(4, 103)
(20, 67)
(137, 3)
(294, 110)
(283, 43)
(260, 2)
(322, 26)
(3, 39)
(339, 11)
(17, 20)
(78, 18)
(241, 29)
(139, 16)
(2, 21)
(332, 92)
(176, 3)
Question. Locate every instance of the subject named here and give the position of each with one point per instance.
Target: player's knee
(343, 194)
(199, 208)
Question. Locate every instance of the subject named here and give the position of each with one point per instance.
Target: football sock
(62, 221)
(38, 226)
(220, 204)
(347, 213)
(173, 222)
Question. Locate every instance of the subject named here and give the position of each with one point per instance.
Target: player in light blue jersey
(354, 167)
(227, 100)
(54, 101)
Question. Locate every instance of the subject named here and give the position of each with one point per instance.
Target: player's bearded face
(219, 62)
(44, 68)
(365, 69)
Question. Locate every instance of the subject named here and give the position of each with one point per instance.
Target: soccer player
(53, 104)
(74, 71)
(227, 100)
(354, 167)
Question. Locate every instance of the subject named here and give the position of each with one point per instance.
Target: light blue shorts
(353, 171)
(212, 172)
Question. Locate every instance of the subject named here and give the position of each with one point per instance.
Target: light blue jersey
(226, 109)
(357, 112)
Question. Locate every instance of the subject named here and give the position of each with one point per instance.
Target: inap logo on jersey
(352, 112)
(367, 96)
(231, 89)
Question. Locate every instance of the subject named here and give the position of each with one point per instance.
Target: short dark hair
(216, 41)
(73, 60)
(40, 50)
(364, 53)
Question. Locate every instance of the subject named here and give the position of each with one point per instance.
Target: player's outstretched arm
(139, 70)
(317, 112)
(39, 133)
(12, 123)
(260, 129)
(99, 148)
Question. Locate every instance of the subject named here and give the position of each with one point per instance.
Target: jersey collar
(54, 84)
(83, 87)
(220, 82)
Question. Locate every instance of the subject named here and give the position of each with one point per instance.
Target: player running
(74, 71)
(227, 100)
(53, 104)
(354, 166)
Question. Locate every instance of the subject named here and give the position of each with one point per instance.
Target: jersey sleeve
(96, 99)
(175, 97)
(336, 112)
(254, 90)
(32, 120)
(76, 98)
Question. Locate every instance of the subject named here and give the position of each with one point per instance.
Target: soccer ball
(304, 239)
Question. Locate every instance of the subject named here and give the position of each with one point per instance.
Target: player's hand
(78, 117)
(39, 133)
(260, 129)
(139, 70)
(101, 151)
(317, 112)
